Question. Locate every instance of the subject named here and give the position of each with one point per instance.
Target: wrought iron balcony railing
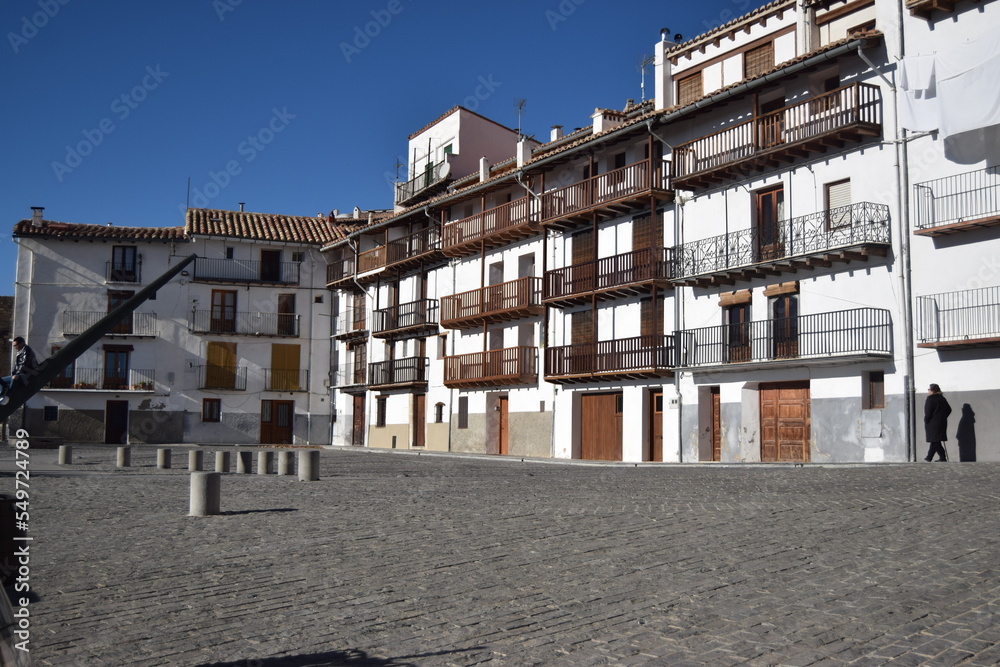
(224, 322)
(496, 303)
(211, 269)
(641, 356)
(222, 377)
(415, 317)
(105, 379)
(408, 371)
(617, 275)
(861, 225)
(122, 272)
(967, 318)
(492, 368)
(283, 379)
(423, 183)
(861, 332)
(848, 113)
(75, 322)
(955, 203)
(639, 180)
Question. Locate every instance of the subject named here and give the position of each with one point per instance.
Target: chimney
(36, 216)
(556, 133)
(523, 152)
(242, 203)
(484, 169)
(605, 119)
(663, 82)
(357, 212)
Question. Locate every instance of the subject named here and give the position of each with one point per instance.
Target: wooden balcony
(824, 338)
(351, 378)
(496, 226)
(959, 320)
(341, 270)
(831, 120)
(849, 233)
(609, 277)
(638, 358)
(492, 368)
(616, 193)
(75, 322)
(924, 8)
(417, 318)
(224, 322)
(352, 324)
(497, 303)
(400, 254)
(958, 203)
(245, 271)
(406, 373)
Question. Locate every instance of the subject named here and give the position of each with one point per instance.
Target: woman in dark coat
(936, 411)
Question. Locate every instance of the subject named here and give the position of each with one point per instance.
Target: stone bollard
(286, 464)
(265, 461)
(163, 458)
(244, 462)
(309, 465)
(222, 462)
(205, 493)
(65, 455)
(196, 460)
(124, 457)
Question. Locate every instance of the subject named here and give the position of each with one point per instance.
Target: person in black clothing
(936, 411)
(25, 364)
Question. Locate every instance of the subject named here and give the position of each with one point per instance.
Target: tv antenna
(644, 62)
(519, 104)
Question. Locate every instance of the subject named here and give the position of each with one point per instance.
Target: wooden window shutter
(463, 412)
(689, 89)
(647, 231)
(758, 61)
(582, 324)
(583, 246)
(651, 316)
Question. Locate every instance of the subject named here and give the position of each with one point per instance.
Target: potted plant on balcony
(143, 386)
(84, 385)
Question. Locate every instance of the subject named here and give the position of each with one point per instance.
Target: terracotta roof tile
(51, 228)
(260, 226)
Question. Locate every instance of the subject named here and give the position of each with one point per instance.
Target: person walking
(25, 364)
(936, 411)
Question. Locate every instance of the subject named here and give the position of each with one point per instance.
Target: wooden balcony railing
(924, 8)
(847, 233)
(823, 337)
(406, 372)
(502, 224)
(341, 268)
(626, 358)
(492, 368)
(414, 318)
(105, 379)
(222, 377)
(224, 322)
(246, 271)
(614, 193)
(957, 203)
(284, 379)
(75, 322)
(954, 320)
(401, 251)
(497, 303)
(846, 114)
(619, 275)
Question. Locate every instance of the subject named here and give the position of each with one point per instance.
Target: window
(298, 256)
(116, 366)
(64, 380)
(689, 89)
(439, 413)
(785, 326)
(115, 299)
(737, 323)
(380, 411)
(873, 391)
(448, 149)
(229, 253)
(211, 409)
(758, 61)
(463, 412)
(50, 413)
(826, 102)
(286, 315)
(442, 346)
(223, 316)
(838, 204)
(124, 264)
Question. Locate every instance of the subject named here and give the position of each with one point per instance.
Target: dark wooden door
(286, 315)
(785, 326)
(503, 430)
(358, 427)
(223, 311)
(655, 424)
(115, 299)
(419, 419)
(738, 332)
(116, 422)
(276, 422)
(716, 424)
(601, 426)
(770, 207)
(270, 266)
(784, 421)
(772, 123)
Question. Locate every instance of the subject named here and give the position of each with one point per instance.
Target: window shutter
(838, 196)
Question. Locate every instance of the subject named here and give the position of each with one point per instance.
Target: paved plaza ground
(396, 559)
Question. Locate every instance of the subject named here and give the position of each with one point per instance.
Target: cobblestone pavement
(395, 559)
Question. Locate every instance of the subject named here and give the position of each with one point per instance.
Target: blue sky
(294, 107)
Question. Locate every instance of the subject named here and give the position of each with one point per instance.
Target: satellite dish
(444, 170)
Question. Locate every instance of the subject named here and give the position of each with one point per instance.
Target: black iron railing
(958, 316)
(282, 379)
(75, 322)
(843, 227)
(222, 377)
(213, 269)
(105, 379)
(960, 198)
(406, 316)
(857, 332)
(223, 321)
(431, 175)
(123, 272)
(409, 370)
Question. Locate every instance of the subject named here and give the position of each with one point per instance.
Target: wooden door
(785, 326)
(770, 210)
(738, 332)
(115, 299)
(655, 424)
(285, 372)
(116, 422)
(223, 318)
(716, 424)
(270, 266)
(601, 426)
(419, 419)
(503, 444)
(286, 315)
(116, 367)
(772, 123)
(220, 372)
(784, 421)
(276, 422)
(358, 426)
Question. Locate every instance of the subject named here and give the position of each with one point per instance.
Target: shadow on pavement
(235, 512)
(353, 657)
